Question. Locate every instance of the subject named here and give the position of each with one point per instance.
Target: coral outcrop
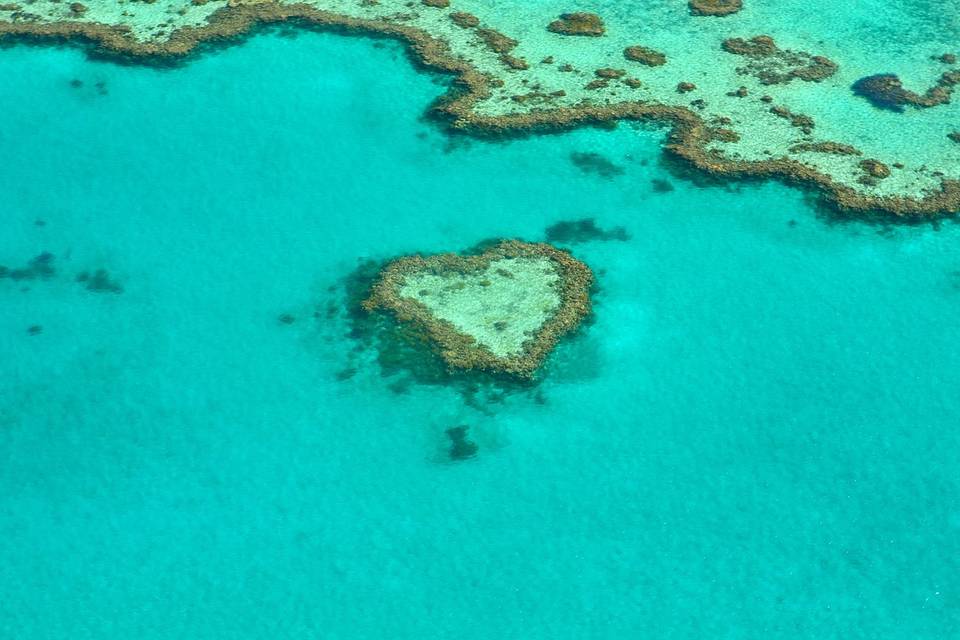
(578, 24)
(772, 65)
(886, 91)
(502, 310)
(715, 7)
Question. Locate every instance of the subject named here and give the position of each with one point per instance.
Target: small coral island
(502, 310)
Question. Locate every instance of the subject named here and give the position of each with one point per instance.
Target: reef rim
(461, 351)
(688, 139)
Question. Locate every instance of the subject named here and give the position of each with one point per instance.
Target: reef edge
(688, 139)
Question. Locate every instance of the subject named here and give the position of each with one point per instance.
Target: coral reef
(484, 99)
(645, 55)
(772, 65)
(886, 91)
(479, 318)
(875, 168)
(578, 24)
(835, 148)
(715, 7)
(803, 122)
(465, 20)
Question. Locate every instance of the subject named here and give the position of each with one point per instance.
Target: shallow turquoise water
(756, 438)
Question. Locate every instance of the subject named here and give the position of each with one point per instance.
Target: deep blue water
(756, 438)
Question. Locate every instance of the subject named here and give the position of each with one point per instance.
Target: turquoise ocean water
(756, 438)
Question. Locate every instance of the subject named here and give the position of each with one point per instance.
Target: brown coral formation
(886, 91)
(439, 4)
(798, 120)
(645, 55)
(517, 64)
(578, 24)
(461, 351)
(833, 148)
(687, 140)
(875, 168)
(715, 7)
(610, 73)
(464, 19)
(724, 135)
(772, 65)
(496, 41)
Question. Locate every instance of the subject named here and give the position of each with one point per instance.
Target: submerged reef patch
(501, 310)
(461, 447)
(583, 230)
(770, 64)
(835, 148)
(714, 7)
(645, 55)
(497, 93)
(41, 267)
(578, 24)
(589, 162)
(886, 91)
(99, 282)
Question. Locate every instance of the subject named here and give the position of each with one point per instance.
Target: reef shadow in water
(583, 230)
(596, 164)
(40, 267)
(99, 281)
(461, 447)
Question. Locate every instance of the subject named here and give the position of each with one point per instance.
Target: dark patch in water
(34, 329)
(661, 186)
(584, 230)
(346, 374)
(38, 268)
(286, 318)
(99, 282)
(596, 164)
(452, 144)
(76, 83)
(461, 447)
(289, 33)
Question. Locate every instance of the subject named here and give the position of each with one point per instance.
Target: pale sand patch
(501, 307)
